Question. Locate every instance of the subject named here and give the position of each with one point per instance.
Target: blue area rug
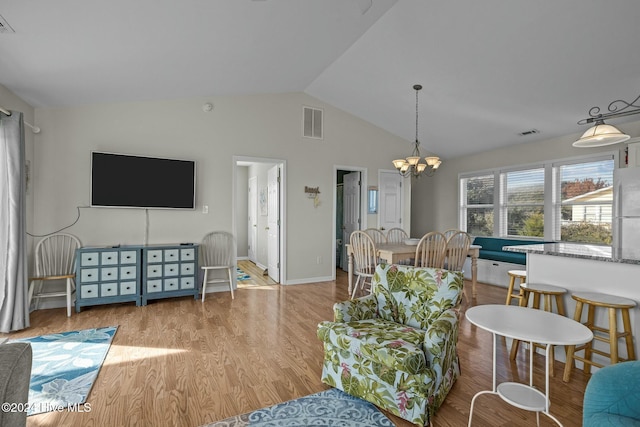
(242, 275)
(64, 367)
(328, 408)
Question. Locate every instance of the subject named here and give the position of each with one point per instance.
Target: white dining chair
(431, 250)
(365, 259)
(396, 235)
(377, 235)
(55, 257)
(217, 251)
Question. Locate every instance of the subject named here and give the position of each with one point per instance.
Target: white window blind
(522, 203)
(476, 213)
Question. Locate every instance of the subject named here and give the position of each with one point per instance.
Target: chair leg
(204, 284)
(355, 287)
(68, 297)
(231, 282)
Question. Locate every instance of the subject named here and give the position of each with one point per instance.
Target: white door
(350, 211)
(252, 231)
(390, 200)
(273, 223)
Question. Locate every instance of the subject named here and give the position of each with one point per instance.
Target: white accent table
(533, 326)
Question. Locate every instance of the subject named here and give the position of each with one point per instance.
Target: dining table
(396, 252)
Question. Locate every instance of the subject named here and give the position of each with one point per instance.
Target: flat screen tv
(127, 181)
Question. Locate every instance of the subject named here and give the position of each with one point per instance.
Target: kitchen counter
(581, 250)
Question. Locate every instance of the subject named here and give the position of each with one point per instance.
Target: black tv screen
(119, 180)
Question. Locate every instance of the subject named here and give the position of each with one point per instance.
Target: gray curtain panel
(14, 306)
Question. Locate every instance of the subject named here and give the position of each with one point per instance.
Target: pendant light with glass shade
(411, 165)
(601, 134)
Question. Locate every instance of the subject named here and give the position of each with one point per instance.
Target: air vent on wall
(529, 132)
(4, 26)
(312, 122)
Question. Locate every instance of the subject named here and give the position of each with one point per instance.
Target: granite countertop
(581, 250)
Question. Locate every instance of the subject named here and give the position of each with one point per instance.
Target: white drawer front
(89, 275)
(127, 273)
(89, 259)
(109, 273)
(154, 286)
(171, 255)
(109, 258)
(187, 254)
(108, 289)
(154, 271)
(127, 288)
(171, 269)
(171, 285)
(154, 255)
(187, 283)
(128, 257)
(187, 268)
(88, 291)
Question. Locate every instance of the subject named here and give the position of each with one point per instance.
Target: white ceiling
(490, 69)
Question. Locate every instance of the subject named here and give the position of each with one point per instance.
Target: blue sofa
(492, 249)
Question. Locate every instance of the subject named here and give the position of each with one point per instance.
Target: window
(522, 208)
(585, 201)
(569, 200)
(477, 204)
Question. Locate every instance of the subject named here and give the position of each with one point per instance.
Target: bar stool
(521, 275)
(547, 292)
(609, 335)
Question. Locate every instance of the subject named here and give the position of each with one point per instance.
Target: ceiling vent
(529, 132)
(4, 26)
(312, 122)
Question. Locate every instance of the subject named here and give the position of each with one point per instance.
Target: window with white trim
(584, 202)
(568, 200)
(476, 211)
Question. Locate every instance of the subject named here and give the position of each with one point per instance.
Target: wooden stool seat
(513, 275)
(539, 290)
(609, 335)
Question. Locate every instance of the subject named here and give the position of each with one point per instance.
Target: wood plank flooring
(181, 362)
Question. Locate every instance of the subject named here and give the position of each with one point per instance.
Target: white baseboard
(309, 280)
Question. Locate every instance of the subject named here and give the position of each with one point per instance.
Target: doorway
(261, 229)
(349, 209)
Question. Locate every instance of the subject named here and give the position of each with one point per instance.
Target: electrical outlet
(319, 260)
(205, 209)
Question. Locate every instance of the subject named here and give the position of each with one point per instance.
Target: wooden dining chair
(431, 250)
(457, 249)
(396, 235)
(365, 259)
(450, 232)
(377, 235)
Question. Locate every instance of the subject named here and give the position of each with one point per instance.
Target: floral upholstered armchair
(396, 347)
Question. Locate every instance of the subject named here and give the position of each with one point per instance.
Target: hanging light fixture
(600, 133)
(411, 165)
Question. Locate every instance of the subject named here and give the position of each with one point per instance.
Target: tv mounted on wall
(128, 181)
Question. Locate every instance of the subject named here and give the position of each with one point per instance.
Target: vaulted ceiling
(490, 69)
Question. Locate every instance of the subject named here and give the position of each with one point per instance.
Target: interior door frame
(364, 179)
(282, 164)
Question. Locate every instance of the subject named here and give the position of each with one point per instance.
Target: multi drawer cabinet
(106, 275)
(169, 271)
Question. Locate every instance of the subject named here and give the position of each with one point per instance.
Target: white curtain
(14, 310)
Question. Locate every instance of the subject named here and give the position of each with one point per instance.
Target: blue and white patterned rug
(328, 408)
(65, 366)
(241, 274)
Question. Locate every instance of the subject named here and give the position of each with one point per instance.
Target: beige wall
(267, 126)
(435, 200)
(11, 102)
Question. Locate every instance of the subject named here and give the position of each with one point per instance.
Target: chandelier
(411, 165)
(601, 133)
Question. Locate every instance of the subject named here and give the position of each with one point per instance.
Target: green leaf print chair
(396, 347)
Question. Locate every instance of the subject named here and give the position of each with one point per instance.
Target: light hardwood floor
(181, 362)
